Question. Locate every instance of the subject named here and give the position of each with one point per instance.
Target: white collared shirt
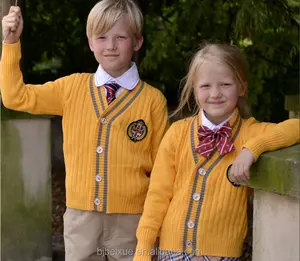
(127, 80)
(207, 123)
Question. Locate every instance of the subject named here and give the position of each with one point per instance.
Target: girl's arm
(262, 137)
(158, 198)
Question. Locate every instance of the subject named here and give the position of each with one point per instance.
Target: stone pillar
(292, 104)
(26, 221)
(276, 227)
(276, 216)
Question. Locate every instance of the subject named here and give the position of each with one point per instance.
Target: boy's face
(114, 49)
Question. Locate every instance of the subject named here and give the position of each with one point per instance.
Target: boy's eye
(101, 37)
(122, 37)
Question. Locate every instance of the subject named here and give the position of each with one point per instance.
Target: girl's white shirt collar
(207, 123)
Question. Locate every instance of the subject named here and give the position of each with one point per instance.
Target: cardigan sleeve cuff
(146, 240)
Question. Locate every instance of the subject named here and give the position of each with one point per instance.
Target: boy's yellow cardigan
(191, 201)
(109, 150)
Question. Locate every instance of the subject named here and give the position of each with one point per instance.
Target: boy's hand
(239, 171)
(12, 25)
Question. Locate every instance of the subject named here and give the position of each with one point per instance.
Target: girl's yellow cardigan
(191, 201)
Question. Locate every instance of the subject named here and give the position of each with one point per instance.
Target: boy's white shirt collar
(127, 80)
(207, 123)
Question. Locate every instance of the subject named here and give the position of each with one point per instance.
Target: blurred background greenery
(267, 31)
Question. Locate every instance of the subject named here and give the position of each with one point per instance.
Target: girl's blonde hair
(227, 54)
(106, 13)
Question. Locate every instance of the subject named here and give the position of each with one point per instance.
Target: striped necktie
(111, 89)
(209, 140)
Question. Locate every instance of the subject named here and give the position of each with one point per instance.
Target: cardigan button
(103, 121)
(97, 201)
(98, 178)
(196, 196)
(99, 149)
(191, 224)
(202, 172)
(189, 243)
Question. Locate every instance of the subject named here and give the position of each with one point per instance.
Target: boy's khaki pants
(91, 236)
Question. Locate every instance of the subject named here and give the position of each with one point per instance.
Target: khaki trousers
(91, 236)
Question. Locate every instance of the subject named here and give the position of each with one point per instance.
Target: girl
(200, 213)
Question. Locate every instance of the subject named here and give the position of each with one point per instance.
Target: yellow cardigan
(109, 150)
(191, 201)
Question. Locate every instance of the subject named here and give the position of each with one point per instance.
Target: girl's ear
(243, 88)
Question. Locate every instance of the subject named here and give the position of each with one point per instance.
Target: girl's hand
(239, 171)
(12, 25)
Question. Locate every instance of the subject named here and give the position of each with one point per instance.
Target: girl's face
(217, 91)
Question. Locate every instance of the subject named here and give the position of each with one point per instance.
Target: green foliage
(266, 31)
(54, 39)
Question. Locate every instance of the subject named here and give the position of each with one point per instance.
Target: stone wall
(25, 187)
(276, 216)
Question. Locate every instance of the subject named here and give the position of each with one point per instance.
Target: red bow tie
(209, 139)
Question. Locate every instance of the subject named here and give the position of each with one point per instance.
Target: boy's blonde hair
(106, 13)
(226, 54)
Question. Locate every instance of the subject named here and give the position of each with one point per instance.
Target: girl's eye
(226, 84)
(204, 86)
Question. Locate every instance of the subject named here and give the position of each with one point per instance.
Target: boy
(112, 124)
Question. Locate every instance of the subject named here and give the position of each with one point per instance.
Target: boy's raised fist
(12, 25)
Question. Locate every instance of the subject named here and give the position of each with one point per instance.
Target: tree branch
(258, 54)
(289, 11)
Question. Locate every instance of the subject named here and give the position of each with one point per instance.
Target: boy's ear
(139, 43)
(90, 44)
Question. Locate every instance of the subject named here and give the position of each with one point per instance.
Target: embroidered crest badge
(137, 130)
